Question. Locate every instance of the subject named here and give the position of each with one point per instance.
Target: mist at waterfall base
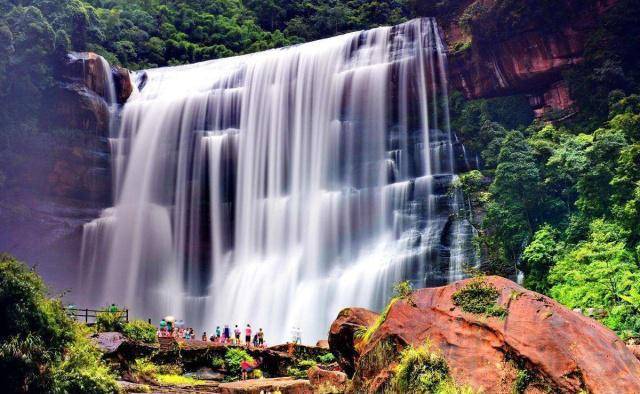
(279, 187)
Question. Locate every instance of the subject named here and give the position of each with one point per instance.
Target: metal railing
(89, 316)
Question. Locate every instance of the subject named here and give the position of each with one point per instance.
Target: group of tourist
(225, 336)
(170, 328)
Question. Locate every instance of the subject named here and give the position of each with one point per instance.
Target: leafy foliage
(82, 369)
(233, 358)
(326, 358)
(44, 350)
(140, 330)
(479, 297)
(299, 371)
(423, 370)
(110, 321)
(402, 289)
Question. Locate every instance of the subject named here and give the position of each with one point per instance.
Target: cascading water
(278, 187)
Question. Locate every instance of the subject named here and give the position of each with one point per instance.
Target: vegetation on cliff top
(41, 346)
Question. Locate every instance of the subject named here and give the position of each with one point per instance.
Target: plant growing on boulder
(422, 370)
(233, 358)
(140, 330)
(300, 370)
(402, 289)
(480, 298)
(326, 358)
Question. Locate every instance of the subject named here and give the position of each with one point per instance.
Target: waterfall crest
(278, 187)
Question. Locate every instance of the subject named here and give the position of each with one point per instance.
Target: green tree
(538, 258)
(601, 272)
(515, 191)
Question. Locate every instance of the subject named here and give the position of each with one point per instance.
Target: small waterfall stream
(278, 187)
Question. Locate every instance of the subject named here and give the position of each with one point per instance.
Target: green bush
(110, 321)
(326, 358)
(402, 289)
(422, 370)
(144, 370)
(82, 369)
(480, 298)
(140, 330)
(300, 370)
(233, 358)
(217, 363)
(41, 346)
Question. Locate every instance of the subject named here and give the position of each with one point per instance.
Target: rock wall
(529, 60)
(59, 176)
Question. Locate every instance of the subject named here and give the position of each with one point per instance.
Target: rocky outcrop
(558, 349)
(193, 355)
(329, 381)
(489, 59)
(275, 385)
(342, 335)
(58, 175)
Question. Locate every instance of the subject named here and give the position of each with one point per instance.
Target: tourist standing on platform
(227, 334)
(236, 334)
(247, 335)
(260, 335)
(217, 334)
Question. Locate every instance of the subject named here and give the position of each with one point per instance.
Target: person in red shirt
(247, 335)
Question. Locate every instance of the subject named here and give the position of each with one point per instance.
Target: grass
(364, 335)
(380, 357)
(425, 371)
(178, 380)
(479, 297)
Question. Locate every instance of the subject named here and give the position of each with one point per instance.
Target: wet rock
(325, 379)
(123, 83)
(341, 335)
(561, 350)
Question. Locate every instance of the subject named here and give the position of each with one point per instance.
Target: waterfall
(276, 188)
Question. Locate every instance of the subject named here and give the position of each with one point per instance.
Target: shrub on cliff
(233, 358)
(110, 321)
(423, 370)
(299, 371)
(140, 330)
(480, 298)
(41, 346)
(82, 369)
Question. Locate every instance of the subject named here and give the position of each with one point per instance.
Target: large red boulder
(341, 335)
(323, 379)
(562, 351)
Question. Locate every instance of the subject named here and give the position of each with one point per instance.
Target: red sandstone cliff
(488, 59)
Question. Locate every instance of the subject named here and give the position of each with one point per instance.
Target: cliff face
(59, 176)
(489, 57)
